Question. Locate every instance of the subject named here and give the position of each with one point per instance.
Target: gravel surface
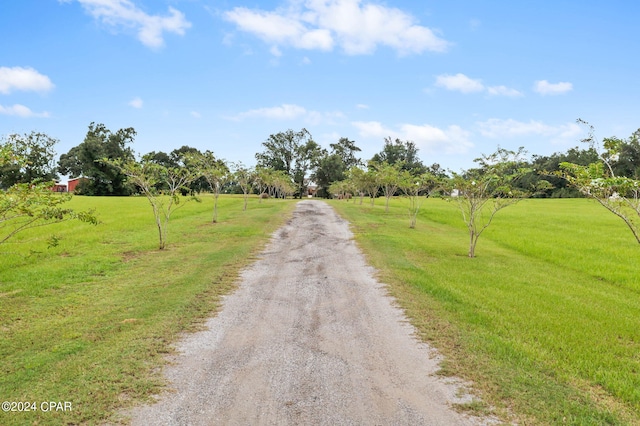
(309, 338)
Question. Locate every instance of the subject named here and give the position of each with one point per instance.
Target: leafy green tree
(148, 176)
(104, 177)
(307, 156)
(26, 205)
(544, 177)
(346, 150)
(599, 180)
(330, 168)
(295, 153)
(38, 159)
(481, 193)
(401, 152)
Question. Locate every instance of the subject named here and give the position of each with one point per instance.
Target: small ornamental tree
(481, 193)
(388, 177)
(342, 190)
(214, 171)
(417, 189)
(618, 194)
(244, 177)
(148, 176)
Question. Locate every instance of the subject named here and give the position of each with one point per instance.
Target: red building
(59, 187)
(72, 183)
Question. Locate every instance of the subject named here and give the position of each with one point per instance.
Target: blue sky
(456, 77)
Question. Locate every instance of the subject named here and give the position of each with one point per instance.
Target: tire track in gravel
(308, 338)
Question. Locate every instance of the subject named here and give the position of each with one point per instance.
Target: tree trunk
(472, 244)
(215, 208)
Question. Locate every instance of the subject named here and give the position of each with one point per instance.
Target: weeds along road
(309, 338)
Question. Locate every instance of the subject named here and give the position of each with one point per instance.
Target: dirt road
(309, 338)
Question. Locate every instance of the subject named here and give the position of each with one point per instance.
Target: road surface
(309, 338)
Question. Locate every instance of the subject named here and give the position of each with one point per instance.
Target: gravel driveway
(309, 338)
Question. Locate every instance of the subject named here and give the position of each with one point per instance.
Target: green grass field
(88, 321)
(545, 321)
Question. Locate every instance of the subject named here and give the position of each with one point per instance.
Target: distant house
(73, 183)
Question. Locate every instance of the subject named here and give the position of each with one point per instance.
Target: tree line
(291, 160)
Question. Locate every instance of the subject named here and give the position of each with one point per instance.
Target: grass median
(544, 321)
(87, 322)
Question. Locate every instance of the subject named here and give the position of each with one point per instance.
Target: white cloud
(136, 102)
(290, 112)
(25, 79)
(497, 128)
(503, 91)
(362, 106)
(125, 14)
(357, 27)
(545, 88)
(21, 111)
(195, 114)
(452, 139)
(460, 83)
(282, 112)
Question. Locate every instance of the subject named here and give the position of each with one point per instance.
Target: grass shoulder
(543, 321)
(90, 320)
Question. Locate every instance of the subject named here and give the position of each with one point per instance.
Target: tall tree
(38, 159)
(405, 152)
(330, 168)
(86, 159)
(346, 150)
(294, 153)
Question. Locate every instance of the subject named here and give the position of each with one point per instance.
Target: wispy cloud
(124, 14)
(459, 83)
(195, 114)
(357, 27)
(497, 128)
(290, 112)
(464, 84)
(282, 112)
(21, 111)
(136, 103)
(450, 140)
(23, 79)
(545, 88)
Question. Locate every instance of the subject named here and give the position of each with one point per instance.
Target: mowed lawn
(545, 321)
(87, 322)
